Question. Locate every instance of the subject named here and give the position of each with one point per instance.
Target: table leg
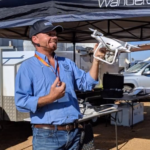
(132, 117)
(116, 133)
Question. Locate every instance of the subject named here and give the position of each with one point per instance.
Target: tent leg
(74, 53)
(74, 48)
(1, 86)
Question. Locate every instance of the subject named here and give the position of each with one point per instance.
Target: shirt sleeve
(83, 80)
(25, 101)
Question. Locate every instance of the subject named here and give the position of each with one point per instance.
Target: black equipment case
(113, 85)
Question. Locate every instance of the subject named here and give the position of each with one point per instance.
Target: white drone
(113, 46)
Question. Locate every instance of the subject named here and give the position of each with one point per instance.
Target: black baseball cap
(43, 26)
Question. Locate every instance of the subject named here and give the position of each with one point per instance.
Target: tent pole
(1, 85)
(74, 53)
(74, 47)
(108, 27)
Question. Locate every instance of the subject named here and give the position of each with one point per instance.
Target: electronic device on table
(140, 91)
(87, 109)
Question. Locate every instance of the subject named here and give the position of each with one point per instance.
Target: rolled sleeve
(90, 80)
(26, 103)
(24, 99)
(83, 80)
(32, 103)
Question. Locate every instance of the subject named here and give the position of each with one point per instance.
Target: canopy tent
(128, 20)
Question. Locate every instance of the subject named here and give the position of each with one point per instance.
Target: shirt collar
(44, 56)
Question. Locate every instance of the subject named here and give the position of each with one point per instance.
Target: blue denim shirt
(34, 80)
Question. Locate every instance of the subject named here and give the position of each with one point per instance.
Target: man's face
(48, 40)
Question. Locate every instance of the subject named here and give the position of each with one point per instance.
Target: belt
(67, 127)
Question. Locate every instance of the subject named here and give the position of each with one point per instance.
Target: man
(45, 87)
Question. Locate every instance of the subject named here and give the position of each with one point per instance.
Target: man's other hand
(56, 91)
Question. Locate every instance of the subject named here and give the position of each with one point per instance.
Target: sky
(139, 55)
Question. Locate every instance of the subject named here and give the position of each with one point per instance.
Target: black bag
(87, 139)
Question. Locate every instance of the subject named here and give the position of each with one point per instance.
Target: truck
(137, 76)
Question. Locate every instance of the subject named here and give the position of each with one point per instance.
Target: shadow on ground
(105, 135)
(13, 133)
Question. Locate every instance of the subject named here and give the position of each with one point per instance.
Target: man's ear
(34, 39)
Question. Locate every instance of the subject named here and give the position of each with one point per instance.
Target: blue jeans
(46, 139)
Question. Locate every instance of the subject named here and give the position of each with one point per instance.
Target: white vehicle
(137, 76)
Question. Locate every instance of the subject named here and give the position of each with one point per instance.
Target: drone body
(112, 44)
(113, 47)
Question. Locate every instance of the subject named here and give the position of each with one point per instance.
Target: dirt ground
(18, 136)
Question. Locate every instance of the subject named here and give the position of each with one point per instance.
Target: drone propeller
(95, 32)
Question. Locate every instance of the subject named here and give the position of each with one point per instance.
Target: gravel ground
(18, 136)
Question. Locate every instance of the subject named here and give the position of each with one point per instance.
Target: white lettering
(106, 3)
(129, 4)
(124, 3)
(139, 2)
(114, 3)
(117, 3)
(148, 2)
(100, 4)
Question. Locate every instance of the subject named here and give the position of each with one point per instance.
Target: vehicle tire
(128, 88)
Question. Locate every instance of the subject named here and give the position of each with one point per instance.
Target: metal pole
(116, 134)
(1, 79)
(74, 48)
(1, 84)
(132, 116)
(74, 52)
